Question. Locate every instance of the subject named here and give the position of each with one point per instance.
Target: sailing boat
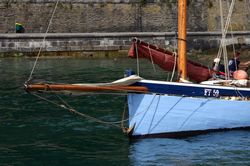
(181, 109)
(173, 109)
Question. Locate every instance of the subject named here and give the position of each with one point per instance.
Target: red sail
(166, 60)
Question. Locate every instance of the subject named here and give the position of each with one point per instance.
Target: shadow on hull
(183, 134)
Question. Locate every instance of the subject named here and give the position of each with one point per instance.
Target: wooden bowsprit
(86, 88)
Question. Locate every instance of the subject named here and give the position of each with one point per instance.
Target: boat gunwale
(194, 85)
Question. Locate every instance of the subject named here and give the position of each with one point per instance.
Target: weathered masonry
(87, 16)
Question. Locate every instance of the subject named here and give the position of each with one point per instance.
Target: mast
(182, 25)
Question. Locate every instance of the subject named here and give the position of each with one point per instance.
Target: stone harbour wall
(109, 25)
(88, 43)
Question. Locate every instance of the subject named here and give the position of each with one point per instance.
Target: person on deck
(19, 28)
(237, 69)
(219, 67)
(233, 64)
(219, 70)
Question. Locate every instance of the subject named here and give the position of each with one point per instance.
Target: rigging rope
(124, 129)
(222, 47)
(232, 36)
(165, 114)
(175, 54)
(137, 58)
(223, 42)
(72, 110)
(175, 62)
(231, 29)
(152, 61)
(66, 106)
(155, 110)
(43, 42)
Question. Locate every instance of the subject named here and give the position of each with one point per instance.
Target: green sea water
(34, 132)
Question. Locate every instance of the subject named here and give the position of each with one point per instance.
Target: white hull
(152, 114)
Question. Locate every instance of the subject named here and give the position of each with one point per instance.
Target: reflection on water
(225, 148)
(33, 132)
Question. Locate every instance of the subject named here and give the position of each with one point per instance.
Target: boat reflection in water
(204, 149)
